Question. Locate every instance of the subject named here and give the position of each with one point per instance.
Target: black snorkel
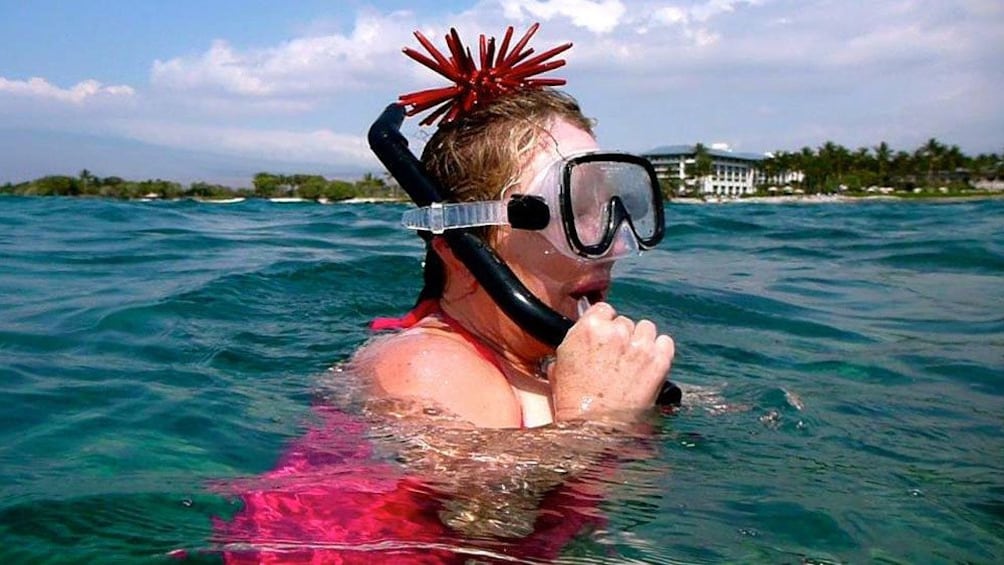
(508, 292)
(491, 273)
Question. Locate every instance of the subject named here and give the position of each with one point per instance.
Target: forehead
(562, 139)
(568, 139)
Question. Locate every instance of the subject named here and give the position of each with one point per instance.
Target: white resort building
(731, 174)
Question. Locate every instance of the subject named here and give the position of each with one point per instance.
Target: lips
(594, 291)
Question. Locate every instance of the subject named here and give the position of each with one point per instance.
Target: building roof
(682, 150)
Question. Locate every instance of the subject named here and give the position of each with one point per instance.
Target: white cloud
(39, 88)
(219, 67)
(712, 8)
(605, 16)
(760, 74)
(725, 37)
(312, 67)
(304, 70)
(314, 146)
(597, 16)
(670, 15)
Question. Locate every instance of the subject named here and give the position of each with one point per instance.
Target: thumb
(547, 367)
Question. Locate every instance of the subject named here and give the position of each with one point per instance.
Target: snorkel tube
(508, 292)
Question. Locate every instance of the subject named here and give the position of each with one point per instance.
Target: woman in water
(458, 351)
(522, 169)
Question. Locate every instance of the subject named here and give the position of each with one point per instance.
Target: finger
(665, 350)
(593, 323)
(624, 327)
(644, 333)
(600, 311)
(594, 320)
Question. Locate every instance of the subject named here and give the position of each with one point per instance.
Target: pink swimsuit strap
(430, 307)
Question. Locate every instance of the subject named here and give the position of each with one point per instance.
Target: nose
(624, 242)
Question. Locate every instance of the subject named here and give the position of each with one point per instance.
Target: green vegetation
(265, 185)
(933, 169)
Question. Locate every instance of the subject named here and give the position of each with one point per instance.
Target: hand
(608, 364)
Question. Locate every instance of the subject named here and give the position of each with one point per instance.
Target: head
(498, 149)
(479, 155)
(513, 154)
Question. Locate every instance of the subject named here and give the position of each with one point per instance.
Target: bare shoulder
(443, 368)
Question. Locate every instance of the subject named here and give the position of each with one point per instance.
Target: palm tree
(833, 159)
(769, 169)
(703, 166)
(86, 180)
(882, 156)
(931, 153)
(809, 164)
(953, 158)
(903, 167)
(788, 163)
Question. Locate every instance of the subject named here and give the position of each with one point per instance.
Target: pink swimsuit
(330, 500)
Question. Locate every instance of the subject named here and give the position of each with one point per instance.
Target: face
(557, 279)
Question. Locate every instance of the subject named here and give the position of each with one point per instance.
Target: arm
(437, 371)
(512, 483)
(607, 373)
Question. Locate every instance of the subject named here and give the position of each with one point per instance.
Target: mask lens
(593, 187)
(590, 192)
(636, 195)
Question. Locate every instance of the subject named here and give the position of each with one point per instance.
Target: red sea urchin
(499, 73)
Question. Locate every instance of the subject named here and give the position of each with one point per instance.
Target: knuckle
(666, 344)
(646, 326)
(602, 309)
(624, 328)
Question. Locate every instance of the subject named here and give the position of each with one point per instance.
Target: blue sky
(218, 90)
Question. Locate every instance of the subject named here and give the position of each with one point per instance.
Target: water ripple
(841, 367)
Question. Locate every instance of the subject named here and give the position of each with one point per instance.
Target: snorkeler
(523, 217)
(525, 214)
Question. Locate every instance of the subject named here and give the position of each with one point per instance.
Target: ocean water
(843, 369)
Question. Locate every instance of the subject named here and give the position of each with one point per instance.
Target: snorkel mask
(591, 206)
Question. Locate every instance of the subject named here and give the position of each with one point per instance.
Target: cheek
(542, 269)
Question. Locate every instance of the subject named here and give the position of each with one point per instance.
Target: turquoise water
(843, 367)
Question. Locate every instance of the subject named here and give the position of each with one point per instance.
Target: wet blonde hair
(477, 156)
(481, 154)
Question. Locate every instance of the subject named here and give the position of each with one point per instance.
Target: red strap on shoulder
(427, 308)
(486, 352)
(421, 310)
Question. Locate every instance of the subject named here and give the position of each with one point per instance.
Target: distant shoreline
(783, 199)
(835, 199)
